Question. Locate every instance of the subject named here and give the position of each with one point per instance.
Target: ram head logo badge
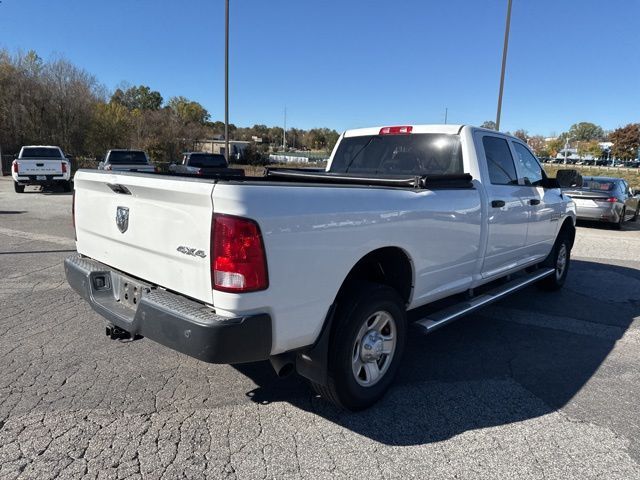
(122, 219)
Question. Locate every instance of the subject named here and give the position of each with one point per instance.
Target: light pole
(504, 63)
(226, 81)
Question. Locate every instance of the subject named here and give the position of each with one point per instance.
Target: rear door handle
(534, 201)
(497, 203)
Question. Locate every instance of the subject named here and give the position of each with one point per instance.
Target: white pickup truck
(321, 271)
(41, 165)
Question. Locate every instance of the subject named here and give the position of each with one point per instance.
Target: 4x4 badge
(191, 251)
(122, 219)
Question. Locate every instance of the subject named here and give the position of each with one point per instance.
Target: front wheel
(366, 346)
(559, 260)
(18, 188)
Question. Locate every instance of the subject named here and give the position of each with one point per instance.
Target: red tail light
(238, 262)
(64, 167)
(199, 172)
(16, 168)
(609, 200)
(403, 130)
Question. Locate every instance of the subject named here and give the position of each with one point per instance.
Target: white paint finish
(313, 236)
(312, 242)
(163, 215)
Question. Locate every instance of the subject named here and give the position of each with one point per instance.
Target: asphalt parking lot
(538, 386)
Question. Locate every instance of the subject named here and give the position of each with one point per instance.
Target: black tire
(66, 186)
(635, 216)
(556, 280)
(358, 307)
(18, 188)
(619, 223)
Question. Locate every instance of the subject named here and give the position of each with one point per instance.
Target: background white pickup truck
(322, 271)
(41, 165)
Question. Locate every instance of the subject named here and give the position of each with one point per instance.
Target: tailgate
(40, 167)
(164, 231)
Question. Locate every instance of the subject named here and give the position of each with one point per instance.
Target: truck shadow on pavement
(524, 357)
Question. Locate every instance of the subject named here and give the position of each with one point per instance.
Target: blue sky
(345, 64)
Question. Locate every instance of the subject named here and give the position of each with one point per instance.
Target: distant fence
(298, 157)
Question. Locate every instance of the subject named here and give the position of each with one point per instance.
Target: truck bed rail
(411, 181)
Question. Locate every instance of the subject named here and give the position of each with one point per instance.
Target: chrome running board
(442, 317)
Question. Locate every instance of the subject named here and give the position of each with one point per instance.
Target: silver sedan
(605, 199)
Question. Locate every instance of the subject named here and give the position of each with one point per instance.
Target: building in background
(236, 147)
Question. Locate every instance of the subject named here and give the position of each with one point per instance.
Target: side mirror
(550, 183)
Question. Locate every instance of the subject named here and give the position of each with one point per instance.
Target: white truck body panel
(159, 223)
(314, 234)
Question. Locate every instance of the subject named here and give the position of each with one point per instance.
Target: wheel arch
(568, 228)
(391, 266)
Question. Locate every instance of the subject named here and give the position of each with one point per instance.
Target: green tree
(110, 128)
(490, 124)
(591, 148)
(189, 111)
(554, 146)
(138, 98)
(585, 132)
(626, 141)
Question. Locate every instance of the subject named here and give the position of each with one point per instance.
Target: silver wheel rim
(561, 261)
(374, 348)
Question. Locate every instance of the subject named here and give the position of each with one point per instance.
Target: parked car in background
(43, 165)
(126, 161)
(203, 164)
(605, 199)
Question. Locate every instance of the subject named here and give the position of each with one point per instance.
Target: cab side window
(502, 170)
(531, 170)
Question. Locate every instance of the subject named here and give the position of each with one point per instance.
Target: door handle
(534, 201)
(497, 203)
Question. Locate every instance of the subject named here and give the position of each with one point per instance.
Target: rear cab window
(127, 157)
(410, 154)
(206, 160)
(44, 153)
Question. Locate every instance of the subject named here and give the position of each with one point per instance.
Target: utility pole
(226, 81)
(284, 131)
(446, 114)
(504, 64)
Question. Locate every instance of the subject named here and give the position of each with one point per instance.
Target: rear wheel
(18, 188)
(618, 225)
(366, 347)
(559, 260)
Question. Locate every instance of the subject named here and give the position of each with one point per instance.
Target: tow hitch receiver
(117, 333)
